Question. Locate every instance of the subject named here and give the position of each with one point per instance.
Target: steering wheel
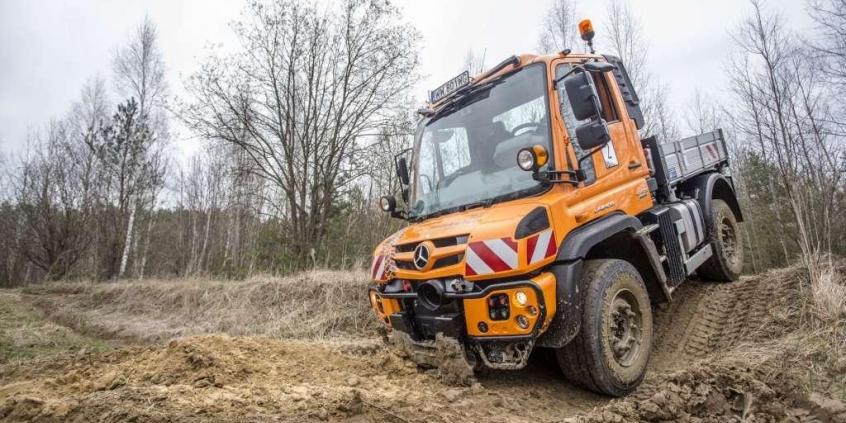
(522, 126)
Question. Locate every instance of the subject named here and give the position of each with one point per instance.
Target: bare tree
(139, 70)
(701, 114)
(55, 202)
(140, 74)
(626, 40)
(298, 96)
(785, 118)
(558, 31)
(830, 15)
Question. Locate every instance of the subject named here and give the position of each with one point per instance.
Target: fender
(708, 186)
(580, 240)
(567, 269)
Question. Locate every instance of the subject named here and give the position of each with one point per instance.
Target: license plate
(449, 87)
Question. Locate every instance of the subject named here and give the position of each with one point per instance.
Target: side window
(427, 171)
(609, 112)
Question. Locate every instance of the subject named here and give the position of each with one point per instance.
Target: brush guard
(422, 333)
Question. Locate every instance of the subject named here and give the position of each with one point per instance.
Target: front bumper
(499, 342)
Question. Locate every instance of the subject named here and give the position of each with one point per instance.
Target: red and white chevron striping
(540, 246)
(490, 256)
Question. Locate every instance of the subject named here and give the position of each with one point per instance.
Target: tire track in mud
(719, 354)
(707, 317)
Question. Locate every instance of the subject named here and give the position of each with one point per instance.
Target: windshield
(467, 154)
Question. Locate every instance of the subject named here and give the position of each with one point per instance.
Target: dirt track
(718, 356)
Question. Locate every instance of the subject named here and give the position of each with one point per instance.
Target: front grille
(439, 243)
(405, 265)
(441, 262)
(448, 261)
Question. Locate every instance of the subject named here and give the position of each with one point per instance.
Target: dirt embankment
(312, 305)
(734, 352)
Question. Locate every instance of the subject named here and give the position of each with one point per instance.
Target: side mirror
(599, 67)
(585, 104)
(402, 171)
(593, 134)
(582, 94)
(532, 158)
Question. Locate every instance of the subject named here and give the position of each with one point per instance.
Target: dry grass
(829, 295)
(822, 345)
(25, 333)
(311, 305)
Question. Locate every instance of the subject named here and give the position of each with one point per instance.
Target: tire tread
(577, 360)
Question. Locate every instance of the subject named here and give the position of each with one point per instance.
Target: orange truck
(538, 217)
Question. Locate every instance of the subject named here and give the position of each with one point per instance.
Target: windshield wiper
(464, 98)
(463, 207)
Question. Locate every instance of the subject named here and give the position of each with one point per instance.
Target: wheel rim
(728, 240)
(624, 328)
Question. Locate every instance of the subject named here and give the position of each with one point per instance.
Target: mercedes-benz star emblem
(421, 256)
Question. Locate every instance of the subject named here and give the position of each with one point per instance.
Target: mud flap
(568, 313)
(445, 354)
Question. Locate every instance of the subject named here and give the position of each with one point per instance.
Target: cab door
(616, 168)
(609, 159)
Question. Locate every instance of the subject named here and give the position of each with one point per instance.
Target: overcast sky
(49, 48)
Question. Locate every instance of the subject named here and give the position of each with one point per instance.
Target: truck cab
(538, 217)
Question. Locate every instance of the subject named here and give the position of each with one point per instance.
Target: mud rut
(224, 378)
(706, 318)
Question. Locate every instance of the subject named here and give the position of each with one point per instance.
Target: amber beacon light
(586, 31)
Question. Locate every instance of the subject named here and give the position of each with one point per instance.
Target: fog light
(483, 327)
(521, 298)
(498, 307)
(522, 321)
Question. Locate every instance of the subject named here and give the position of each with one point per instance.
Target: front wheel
(610, 353)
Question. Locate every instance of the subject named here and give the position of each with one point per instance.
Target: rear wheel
(610, 353)
(726, 263)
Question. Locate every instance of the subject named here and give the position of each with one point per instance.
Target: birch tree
(140, 74)
(129, 165)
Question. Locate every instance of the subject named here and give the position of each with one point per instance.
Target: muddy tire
(726, 263)
(610, 353)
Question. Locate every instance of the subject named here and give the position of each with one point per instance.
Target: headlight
(526, 159)
(532, 158)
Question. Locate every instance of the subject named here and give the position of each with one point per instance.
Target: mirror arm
(580, 172)
(599, 69)
(399, 214)
(549, 176)
(561, 78)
